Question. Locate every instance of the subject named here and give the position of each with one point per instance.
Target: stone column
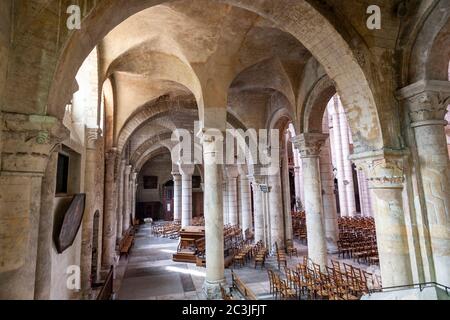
(246, 200)
(91, 166)
(258, 205)
(386, 177)
(109, 220)
(186, 170)
(121, 187)
(45, 240)
(133, 195)
(276, 210)
(286, 190)
(226, 217)
(213, 202)
(309, 145)
(427, 103)
(232, 174)
(348, 169)
(127, 199)
(333, 110)
(28, 141)
(328, 197)
(177, 196)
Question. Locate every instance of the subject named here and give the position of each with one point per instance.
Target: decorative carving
(92, 135)
(43, 137)
(385, 172)
(428, 106)
(309, 144)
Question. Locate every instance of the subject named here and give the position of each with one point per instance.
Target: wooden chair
(291, 249)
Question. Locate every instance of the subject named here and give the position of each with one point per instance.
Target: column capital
(427, 102)
(186, 169)
(92, 136)
(111, 154)
(310, 144)
(384, 168)
(134, 175)
(28, 140)
(128, 169)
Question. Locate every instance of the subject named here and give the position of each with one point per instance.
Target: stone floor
(150, 274)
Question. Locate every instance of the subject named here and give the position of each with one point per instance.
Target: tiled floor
(150, 274)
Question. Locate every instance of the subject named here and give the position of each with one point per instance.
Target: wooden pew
(242, 288)
(126, 242)
(106, 291)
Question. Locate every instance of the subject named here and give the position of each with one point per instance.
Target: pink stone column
(337, 146)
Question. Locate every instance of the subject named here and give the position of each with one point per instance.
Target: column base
(429, 293)
(212, 289)
(332, 247)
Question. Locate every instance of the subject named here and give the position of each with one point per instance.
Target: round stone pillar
(246, 200)
(232, 174)
(333, 110)
(91, 166)
(120, 199)
(186, 170)
(385, 174)
(177, 196)
(127, 197)
(328, 197)
(213, 202)
(109, 221)
(427, 103)
(276, 211)
(309, 145)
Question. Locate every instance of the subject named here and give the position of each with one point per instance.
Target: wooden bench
(126, 242)
(242, 288)
(106, 291)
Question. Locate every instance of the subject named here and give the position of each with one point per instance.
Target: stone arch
(300, 19)
(430, 52)
(316, 104)
(154, 151)
(141, 150)
(159, 108)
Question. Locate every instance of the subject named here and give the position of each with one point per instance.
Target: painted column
(232, 174)
(309, 145)
(186, 170)
(386, 179)
(177, 196)
(328, 197)
(333, 110)
(127, 195)
(109, 221)
(246, 200)
(427, 103)
(213, 171)
(91, 167)
(275, 215)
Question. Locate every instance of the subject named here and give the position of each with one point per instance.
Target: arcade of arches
(363, 142)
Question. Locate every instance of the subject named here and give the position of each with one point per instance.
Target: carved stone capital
(28, 140)
(384, 169)
(92, 136)
(128, 170)
(309, 144)
(111, 156)
(427, 102)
